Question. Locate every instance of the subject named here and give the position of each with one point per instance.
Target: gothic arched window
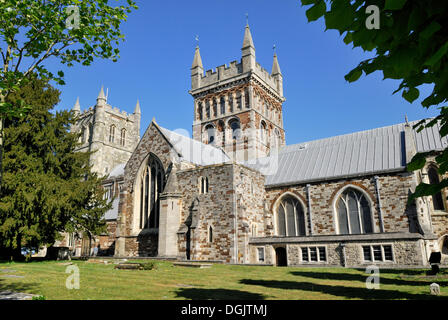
(215, 108)
(236, 128)
(239, 101)
(210, 234)
(203, 185)
(82, 138)
(223, 105)
(200, 110)
(246, 98)
(353, 213)
(263, 132)
(290, 218)
(112, 134)
(152, 184)
(210, 130)
(207, 109)
(437, 199)
(277, 137)
(123, 137)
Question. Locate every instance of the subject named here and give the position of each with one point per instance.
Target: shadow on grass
(340, 291)
(217, 294)
(362, 278)
(17, 287)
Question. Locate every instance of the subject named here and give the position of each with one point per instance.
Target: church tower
(239, 107)
(109, 133)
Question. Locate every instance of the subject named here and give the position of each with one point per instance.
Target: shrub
(148, 265)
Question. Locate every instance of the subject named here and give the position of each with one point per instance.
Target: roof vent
(302, 147)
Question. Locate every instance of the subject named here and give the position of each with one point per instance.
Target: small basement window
(378, 253)
(314, 254)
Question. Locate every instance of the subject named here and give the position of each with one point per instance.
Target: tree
(410, 42)
(48, 188)
(71, 31)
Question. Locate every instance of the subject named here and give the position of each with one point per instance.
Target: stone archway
(443, 244)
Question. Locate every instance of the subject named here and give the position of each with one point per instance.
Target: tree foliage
(33, 31)
(68, 31)
(411, 45)
(48, 188)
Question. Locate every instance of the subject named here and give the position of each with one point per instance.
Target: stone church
(236, 193)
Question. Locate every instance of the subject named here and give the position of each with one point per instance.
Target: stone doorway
(281, 259)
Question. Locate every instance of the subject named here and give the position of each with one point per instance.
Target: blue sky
(158, 51)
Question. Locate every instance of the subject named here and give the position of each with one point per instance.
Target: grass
(103, 282)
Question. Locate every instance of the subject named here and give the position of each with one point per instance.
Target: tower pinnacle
(77, 106)
(137, 108)
(275, 66)
(101, 100)
(248, 42)
(197, 61)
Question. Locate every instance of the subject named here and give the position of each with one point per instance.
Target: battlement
(266, 76)
(109, 109)
(235, 69)
(221, 73)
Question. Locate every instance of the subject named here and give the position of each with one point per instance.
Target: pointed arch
(290, 216)
(353, 211)
(433, 177)
(150, 183)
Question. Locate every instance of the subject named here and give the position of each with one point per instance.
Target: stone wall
(323, 195)
(407, 249)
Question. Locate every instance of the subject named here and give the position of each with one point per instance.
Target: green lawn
(99, 281)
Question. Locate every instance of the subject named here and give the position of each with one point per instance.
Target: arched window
(238, 101)
(353, 213)
(152, 184)
(263, 132)
(112, 134)
(200, 110)
(210, 130)
(210, 234)
(82, 138)
(223, 105)
(290, 218)
(123, 137)
(277, 137)
(215, 108)
(437, 199)
(236, 129)
(207, 109)
(246, 98)
(203, 185)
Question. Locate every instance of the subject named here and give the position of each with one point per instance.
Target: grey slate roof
(367, 152)
(194, 151)
(117, 171)
(112, 214)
